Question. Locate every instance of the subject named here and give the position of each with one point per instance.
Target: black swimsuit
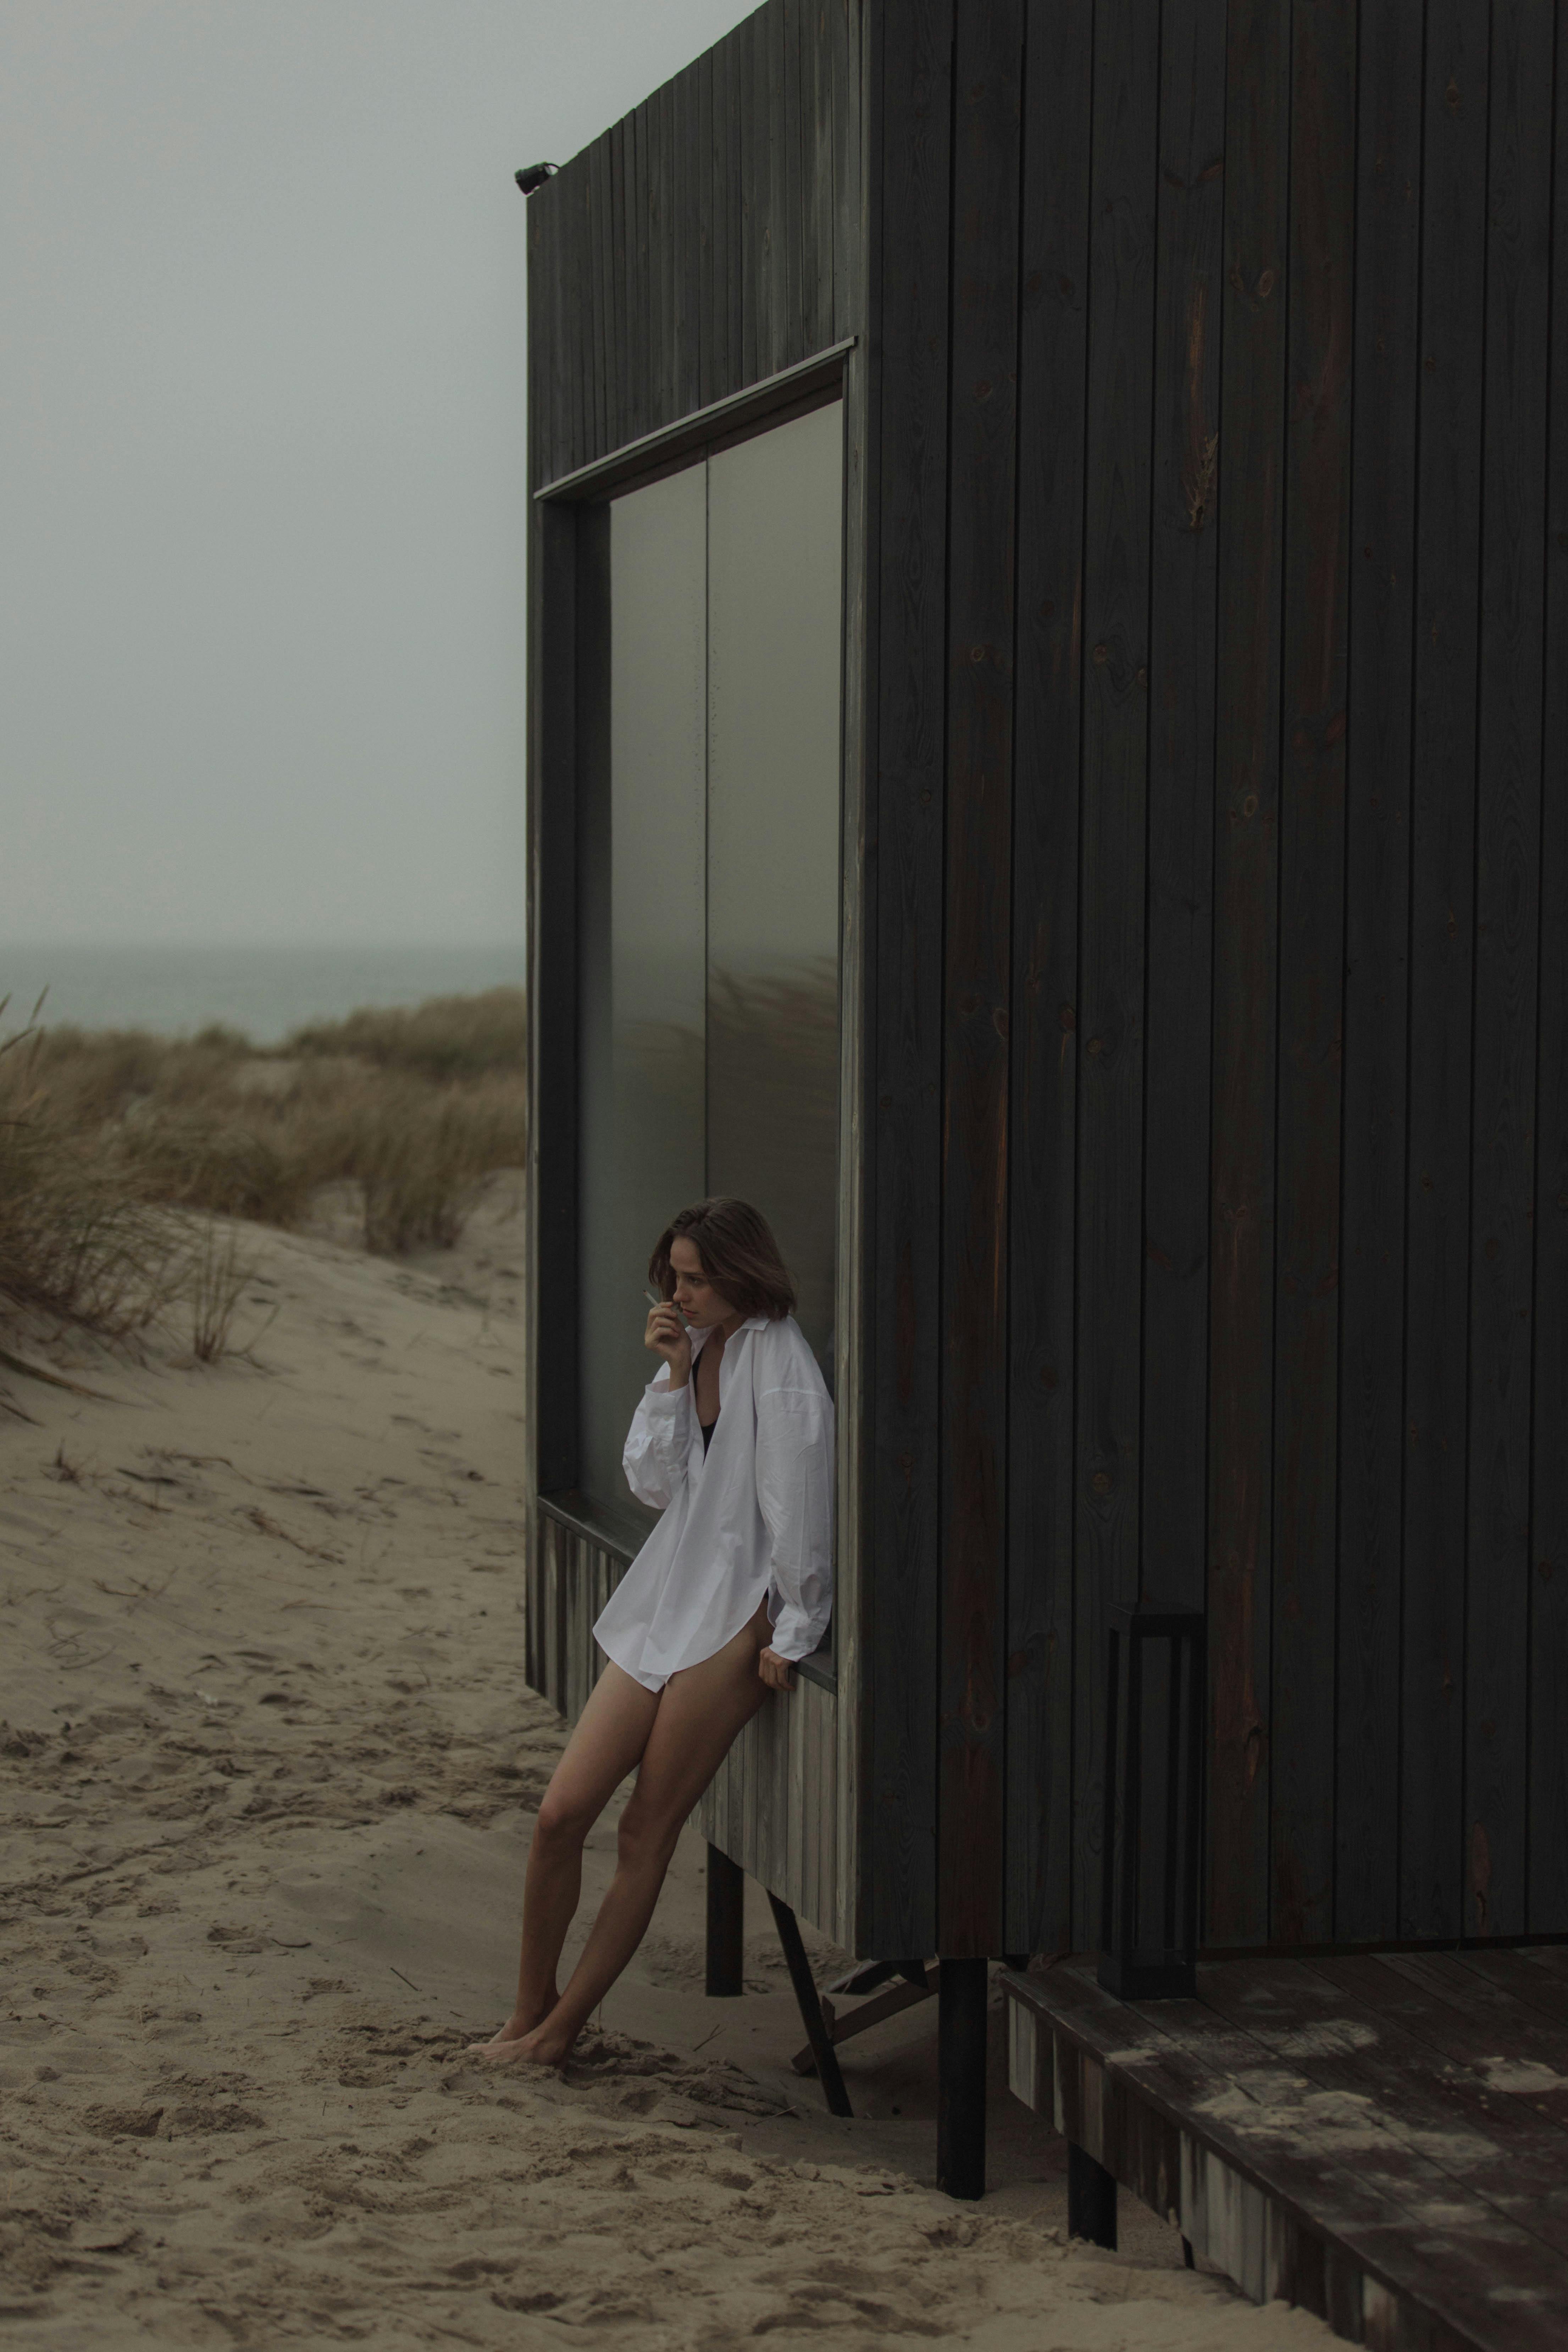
(707, 1427)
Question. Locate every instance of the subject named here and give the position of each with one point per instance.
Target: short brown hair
(739, 1254)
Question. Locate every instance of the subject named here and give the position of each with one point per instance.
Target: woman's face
(694, 1294)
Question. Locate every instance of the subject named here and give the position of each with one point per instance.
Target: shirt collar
(752, 1323)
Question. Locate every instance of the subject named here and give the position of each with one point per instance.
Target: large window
(709, 874)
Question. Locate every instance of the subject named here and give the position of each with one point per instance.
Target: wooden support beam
(1092, 2199)
(726, 1927)
(810, 2005)
(871, 2012)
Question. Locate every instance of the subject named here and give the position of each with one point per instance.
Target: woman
(734, 1443)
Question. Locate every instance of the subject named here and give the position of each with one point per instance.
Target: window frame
(565, 621)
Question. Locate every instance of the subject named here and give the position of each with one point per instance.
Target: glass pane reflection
(774, 633)
(709, 860)
(642, 980)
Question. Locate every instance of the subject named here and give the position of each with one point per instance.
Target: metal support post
(961, 1994)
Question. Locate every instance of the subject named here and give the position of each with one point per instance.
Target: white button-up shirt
(751, 1517)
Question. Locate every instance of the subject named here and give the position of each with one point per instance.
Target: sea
(264, 992)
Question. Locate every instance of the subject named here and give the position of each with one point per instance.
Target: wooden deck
(1383, 2140)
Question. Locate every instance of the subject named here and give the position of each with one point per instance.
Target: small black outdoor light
(1153, 1833)
(535, 176)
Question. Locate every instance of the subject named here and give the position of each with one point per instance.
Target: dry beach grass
(412, 1108)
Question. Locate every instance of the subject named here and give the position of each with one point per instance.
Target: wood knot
(1199, 486)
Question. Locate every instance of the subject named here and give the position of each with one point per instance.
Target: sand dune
(267, 1773)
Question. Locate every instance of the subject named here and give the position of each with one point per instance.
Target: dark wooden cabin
(1182, 1088)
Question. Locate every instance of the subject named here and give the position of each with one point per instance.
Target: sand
(265, 1783)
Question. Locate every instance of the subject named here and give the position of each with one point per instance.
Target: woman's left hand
(776, 1670)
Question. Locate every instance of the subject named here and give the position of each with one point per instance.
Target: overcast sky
(262, 452)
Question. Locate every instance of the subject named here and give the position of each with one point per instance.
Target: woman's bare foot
(541, 2047)
(518, 2027)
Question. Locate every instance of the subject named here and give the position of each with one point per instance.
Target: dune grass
(79, 1250)
(102, 1133)
(446, 1038)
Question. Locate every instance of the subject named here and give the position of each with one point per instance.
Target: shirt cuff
(796, 1636)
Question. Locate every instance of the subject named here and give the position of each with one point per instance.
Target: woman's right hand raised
(668, 1337)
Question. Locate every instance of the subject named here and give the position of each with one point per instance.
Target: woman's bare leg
(702, 1712)
(612, 1733)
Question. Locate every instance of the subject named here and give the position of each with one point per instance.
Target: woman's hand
(668, 1337)
(776, 1670)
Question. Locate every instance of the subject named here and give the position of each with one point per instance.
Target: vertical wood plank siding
(1508, 926)
(1205, 1066)
(1181, 590)
(908, 667)
(1246, 835)
(1320, 313)
(1442, 965)
(1377, 914)
(977, 977)
(1053, 273)
(1112, 843)
(1548, 1761)
(845, 145)
(699, 246)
